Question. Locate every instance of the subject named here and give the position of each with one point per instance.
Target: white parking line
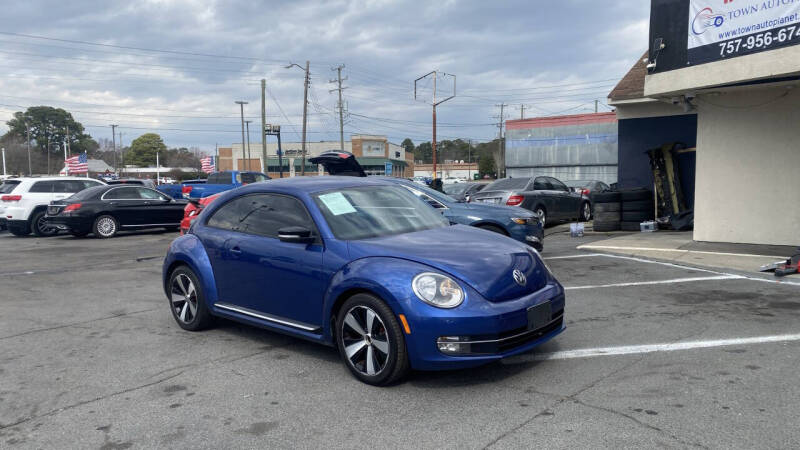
(646, 283)
(650, 348)
(672, 250)
(582, 255)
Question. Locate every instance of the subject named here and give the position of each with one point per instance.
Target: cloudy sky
(176, 67)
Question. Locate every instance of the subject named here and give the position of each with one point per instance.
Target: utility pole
(47, 132)
(595, 105)
(435, 74)
(67, 144)
(121, 153)
(522, 112)
(339, 79)
(114, 144)
(305, 110)
(247, 164)
(305, 120)
(501, 148)
(263, 126)
(241, 105)
(28, 133)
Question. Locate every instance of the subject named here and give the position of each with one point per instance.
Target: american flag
(208, 164)
(77, 164)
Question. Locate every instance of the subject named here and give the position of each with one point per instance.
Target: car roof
(312, 184)
(54, 178)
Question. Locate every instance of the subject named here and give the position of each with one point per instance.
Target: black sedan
(547, 197)
(106, 210)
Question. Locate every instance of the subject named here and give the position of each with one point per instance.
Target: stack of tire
(607, 211)
(637, 207)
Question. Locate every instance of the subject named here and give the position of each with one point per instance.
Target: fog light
(453, 345)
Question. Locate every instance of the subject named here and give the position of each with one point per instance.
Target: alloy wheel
(43, 229)
(183, 296)
(587, 212)
(542, 216)
(106, 226)
(366, 342)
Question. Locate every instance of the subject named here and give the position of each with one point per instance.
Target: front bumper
(498, 330)
(532, 234)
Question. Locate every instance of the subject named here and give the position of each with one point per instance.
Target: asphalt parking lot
(90, 357)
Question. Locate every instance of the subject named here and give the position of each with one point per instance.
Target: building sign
(375, 148)
(388, 169)
(720, 29)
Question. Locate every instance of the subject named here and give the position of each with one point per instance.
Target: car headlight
(522, 220)
(437, 290)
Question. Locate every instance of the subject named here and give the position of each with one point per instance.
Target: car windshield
(456, 189)
(250, 177)
(7, 186)
(508, 184)
(369, 212)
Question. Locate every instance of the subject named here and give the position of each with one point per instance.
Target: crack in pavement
(57, 327)
(86, 402)
(186, 367)
(560, 401)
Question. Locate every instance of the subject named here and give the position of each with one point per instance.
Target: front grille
(512, 339)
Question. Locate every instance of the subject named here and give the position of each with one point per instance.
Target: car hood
(484, 260)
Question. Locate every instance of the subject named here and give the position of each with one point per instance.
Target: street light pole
(28, 133)
(241, 105)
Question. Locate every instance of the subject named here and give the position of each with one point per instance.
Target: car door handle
(236, 251)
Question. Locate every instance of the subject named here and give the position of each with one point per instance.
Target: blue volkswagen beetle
(364, 265)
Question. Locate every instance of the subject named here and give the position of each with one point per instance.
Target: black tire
(632, 195)
(395, 364)
(39, 226)
(606, 226)
(606, 197)
(19, 231)
(630, 226)
(493, 229)
(105, 226)
(79, 234)
(607, 217)
(607, 207)
(638, 205)
(181, 308)
(585, 213)
(636, 216)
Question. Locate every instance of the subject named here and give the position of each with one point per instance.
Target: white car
(452, 180)
(23, 201)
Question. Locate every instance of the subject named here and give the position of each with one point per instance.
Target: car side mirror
(296, 235)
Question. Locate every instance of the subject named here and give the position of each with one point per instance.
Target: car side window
(262, 214)
(122, 193)
(558, 186)
(149, 194)
(542, 184)
(42, 187)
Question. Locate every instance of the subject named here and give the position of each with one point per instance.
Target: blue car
(363, 265)
(516, 223)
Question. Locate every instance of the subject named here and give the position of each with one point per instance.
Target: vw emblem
(519, 277)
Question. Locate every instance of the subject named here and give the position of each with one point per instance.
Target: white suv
(23, 201)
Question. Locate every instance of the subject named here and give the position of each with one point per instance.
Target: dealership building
(723, 78)
(376, 155)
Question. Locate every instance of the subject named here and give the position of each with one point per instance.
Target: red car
(193, 209)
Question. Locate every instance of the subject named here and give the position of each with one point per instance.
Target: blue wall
(637, 136)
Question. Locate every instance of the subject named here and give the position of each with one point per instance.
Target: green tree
(424, 153)
(143, 150)
(486, 166)
(49, 125)
(408, 145)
